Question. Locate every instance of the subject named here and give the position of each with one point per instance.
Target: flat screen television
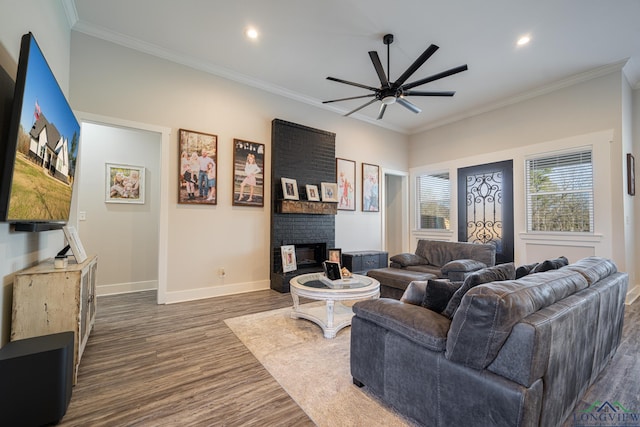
(40, 149)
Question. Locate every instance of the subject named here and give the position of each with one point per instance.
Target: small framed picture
(124, 183)
(288, 258)
(332, 270)
(346, 176)
(198, 165)
(248, 173)
(335, 255)
(290, 189)
(370, 189)
(329, 191)
(312, 193)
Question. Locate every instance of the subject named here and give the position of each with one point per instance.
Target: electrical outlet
(221, 272)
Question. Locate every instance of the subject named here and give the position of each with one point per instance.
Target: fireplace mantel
(306, 207)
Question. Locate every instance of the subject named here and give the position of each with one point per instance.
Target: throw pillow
(438, 293)
(525, 269)
(407, 260)
(551, 264)
(486, 275)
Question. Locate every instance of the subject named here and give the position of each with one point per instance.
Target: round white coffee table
(333, 316)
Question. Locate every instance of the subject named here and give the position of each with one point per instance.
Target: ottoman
(394, 281)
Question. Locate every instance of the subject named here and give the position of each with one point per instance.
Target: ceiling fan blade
(409, 106)
(422, 93)
(383, 107)
(351, 97)
(352, 83)
(361, 107)
(378, 66)
(438, 76)
(416, 64)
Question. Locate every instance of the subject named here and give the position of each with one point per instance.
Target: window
(434, 194)
(560, 192)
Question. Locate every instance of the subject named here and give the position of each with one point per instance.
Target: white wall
(114, 81)
(567, 117)
(128, 258)
(47, 21)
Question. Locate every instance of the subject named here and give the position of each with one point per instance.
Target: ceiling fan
(391, 92)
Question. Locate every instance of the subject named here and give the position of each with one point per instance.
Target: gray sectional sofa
(432, 259)
(508, 353)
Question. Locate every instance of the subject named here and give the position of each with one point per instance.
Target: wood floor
(179, 365)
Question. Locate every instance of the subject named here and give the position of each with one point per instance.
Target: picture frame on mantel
(346, 177)
(329, 192)
(289, 189)
(631, 174)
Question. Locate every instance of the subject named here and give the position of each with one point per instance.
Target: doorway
(129, 239)
(395, 213)
(485, 207)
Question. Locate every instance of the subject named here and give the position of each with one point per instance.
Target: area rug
(313, 370)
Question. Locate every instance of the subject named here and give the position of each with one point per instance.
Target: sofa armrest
(407, 259)
(415, 292)
(418, 324)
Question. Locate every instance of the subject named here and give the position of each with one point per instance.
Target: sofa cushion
(488, 312)
(424, 327)
(407, 259)
(430, 269)
(550, 264)
(594, 268)
(486, 275)
(462, 265)
(525, 269)
(398, 278)
(437, 294)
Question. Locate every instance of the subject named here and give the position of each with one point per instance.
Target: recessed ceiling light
(252, 33)
(524, 40)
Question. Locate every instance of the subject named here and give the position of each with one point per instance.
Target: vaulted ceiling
(301, 42)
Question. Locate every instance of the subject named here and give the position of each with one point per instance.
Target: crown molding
(154, 50)
(543, 90)
(71, 12)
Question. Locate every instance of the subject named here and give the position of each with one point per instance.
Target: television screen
(41, 146)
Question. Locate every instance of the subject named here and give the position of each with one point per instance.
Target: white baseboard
(216, 291)
(632, 294)
(124, 288)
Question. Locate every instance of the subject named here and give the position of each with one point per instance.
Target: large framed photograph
(197, 180)
(290, 189)
(288, 253)
(346, 177)
(124, 183)
(248, 173)
(329, 191)
(370, 189)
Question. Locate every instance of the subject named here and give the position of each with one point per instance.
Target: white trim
(217, 291)
(632, 295)
(163, 227)
(125, 288)
(405, 207)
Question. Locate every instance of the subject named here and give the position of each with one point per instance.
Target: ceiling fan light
(388, 100)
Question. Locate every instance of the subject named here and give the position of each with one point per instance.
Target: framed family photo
(370, 189)
(346, 177)
(290, 189)
(335, 255)
(198, 168)
(124, 183)
(248, 173)
(329, 191)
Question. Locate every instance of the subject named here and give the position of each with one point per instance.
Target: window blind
(434, 201)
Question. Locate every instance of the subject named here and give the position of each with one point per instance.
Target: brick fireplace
(308, 156)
